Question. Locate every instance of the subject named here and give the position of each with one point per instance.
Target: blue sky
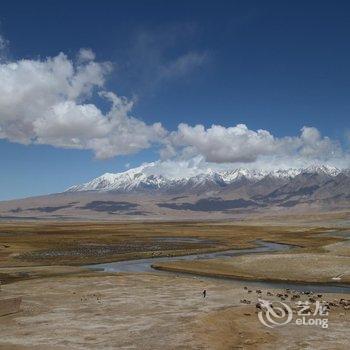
(272, 65)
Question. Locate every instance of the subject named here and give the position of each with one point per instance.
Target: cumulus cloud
(52, 101)
(86, 55)
(219, 144)
(47, 102)
(239, 144)
(180, 168)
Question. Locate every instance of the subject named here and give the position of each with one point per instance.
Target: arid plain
(66, 305)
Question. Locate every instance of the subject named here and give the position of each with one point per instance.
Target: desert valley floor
(66, 304)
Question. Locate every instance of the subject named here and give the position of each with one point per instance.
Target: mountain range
(139, 193)
(135, 180)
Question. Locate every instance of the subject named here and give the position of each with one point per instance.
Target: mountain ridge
(238, 193)
(136, 179)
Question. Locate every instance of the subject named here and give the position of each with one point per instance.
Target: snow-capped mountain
(141, 179)
(125, 181)
(147, 193)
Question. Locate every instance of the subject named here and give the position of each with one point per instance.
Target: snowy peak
(238, 174)
(141, 178)
(126, 180)
(322, 169)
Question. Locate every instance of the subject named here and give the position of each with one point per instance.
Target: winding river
(144, 265)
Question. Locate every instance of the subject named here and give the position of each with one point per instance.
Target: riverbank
(35, 250)
(332, 266)
(300, 268)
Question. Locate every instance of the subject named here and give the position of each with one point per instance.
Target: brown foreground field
(66, 306)
(30, 244)
(149, 311)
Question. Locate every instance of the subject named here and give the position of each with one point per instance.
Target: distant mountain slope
(136, 180)
(137, 193)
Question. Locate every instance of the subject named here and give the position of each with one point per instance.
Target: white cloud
(47, 102)
(178, 168)
(86, 55)
(219, 144)
(127, 134)
(240, 145)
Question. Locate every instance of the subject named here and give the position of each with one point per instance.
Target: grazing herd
(294, 296)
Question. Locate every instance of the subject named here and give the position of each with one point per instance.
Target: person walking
(204, 293)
